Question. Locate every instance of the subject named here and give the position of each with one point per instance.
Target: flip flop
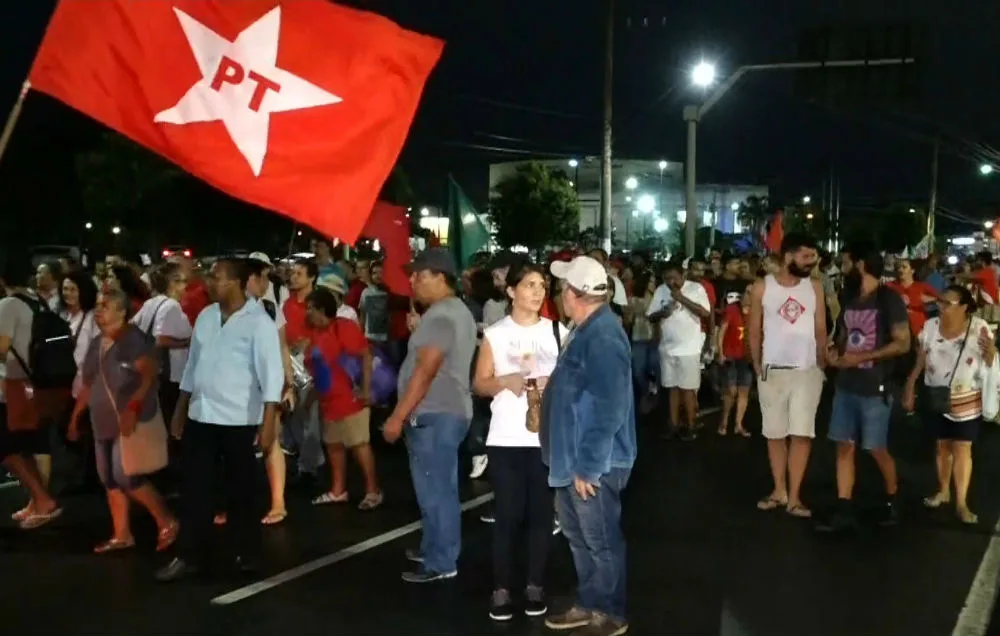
(37, 519)
(114, 545)
(274, 518)
(771, 503)
(330, 498)
(799, 511)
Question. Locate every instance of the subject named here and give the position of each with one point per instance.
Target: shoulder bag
(144, 451)
(937, 399)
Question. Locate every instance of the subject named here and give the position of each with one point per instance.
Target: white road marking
(974, 619)
(299, 571)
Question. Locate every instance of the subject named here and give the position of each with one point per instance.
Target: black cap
(435, 259)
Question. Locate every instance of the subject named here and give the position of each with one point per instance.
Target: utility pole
(932, 204)
(606, 185)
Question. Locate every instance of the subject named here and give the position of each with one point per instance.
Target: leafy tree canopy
(534, 207)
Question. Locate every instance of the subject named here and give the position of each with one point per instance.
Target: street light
(988, 225)
(806, 200)
(985, 169)
(809, 216)
(88, 225)
(660, 225)
(573, 163)
(425, 212)
(703, 74)
(663, 165)
(116, 230)
(913, 210)
(735, 207)
(646, 204)
(631, 183)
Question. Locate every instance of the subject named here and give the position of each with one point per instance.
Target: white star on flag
(241, 85)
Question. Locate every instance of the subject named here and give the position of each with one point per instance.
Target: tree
(534, 207)
(754, 213)
(118, 179)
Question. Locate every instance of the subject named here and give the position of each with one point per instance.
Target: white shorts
(788, 401)
(680, 372)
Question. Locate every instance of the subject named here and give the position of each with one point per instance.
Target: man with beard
(873, 333)
(787, 330)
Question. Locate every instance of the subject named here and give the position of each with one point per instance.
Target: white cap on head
(583, 274)
(261, 257)
(334, 283)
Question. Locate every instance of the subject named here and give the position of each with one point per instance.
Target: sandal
(771, 503)
(39, 519)
(114, 545)
(799, 511)
(167, 535)
(967, 516)
(330, 498)
(723, 431)
(742, 432)
(22, 514)
(936, 501)
(371, 501)
(274, 518)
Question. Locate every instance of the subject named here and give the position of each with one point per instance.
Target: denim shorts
(737, 374)
(863, 416)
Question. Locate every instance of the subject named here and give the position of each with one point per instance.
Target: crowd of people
(538, 370)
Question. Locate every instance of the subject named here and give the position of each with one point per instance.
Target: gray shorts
(680, 372)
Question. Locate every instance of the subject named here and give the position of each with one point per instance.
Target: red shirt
(295, 319)
(353, 297)
(339, 337)
(913, 298)
(734, 339)
(549, 309)
(195, 299)
(986, 278)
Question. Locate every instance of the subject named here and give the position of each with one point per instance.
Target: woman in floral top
(956, 350)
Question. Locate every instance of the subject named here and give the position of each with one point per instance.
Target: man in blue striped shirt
(230, 392)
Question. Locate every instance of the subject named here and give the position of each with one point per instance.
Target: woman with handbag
(130, 438)
(516, 357)
(957, 359)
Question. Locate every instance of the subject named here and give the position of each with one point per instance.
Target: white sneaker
(479, 463)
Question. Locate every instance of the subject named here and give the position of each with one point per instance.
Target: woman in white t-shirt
(956, 350)
(517, 348)
(77, 301)
(162, 318)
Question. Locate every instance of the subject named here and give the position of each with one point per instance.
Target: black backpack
(50, 363)
(162, 354)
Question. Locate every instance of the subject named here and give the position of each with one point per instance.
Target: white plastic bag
(991, 391)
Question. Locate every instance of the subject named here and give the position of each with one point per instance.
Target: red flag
(301, 107)
(390, 226)
(775, 233)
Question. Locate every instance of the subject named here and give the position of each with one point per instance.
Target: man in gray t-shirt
(435, 402)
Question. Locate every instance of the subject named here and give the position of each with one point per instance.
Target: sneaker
(842, 520)
(426, 576)
(556, 528)
(479, 463)
(488, 517)
(889, 514)
(414, 555)
(534, 601)
(571, 619)
(501, 609)
(603, 625)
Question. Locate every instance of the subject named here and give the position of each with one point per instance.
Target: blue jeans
(433, 442)
(645, 363)
(860, 419)
(594, 532)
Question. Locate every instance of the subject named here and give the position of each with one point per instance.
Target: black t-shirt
(863, 329)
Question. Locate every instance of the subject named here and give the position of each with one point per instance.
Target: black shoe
(889, 513)
(501, 608)
(842, 520)
(534, 601)
(175, 570)
(426, 576)
(689, 435)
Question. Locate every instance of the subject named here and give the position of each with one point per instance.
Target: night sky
(524, 78)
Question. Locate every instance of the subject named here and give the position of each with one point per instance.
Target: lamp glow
(646, 204)
(573, 163)
(660, 225)
(663, 165)
(631, 183)
(116, 230)
(985, 169)
(703, 74)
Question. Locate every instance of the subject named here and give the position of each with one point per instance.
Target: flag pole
(15, 113)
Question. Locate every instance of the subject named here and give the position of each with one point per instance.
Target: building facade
(647, 196)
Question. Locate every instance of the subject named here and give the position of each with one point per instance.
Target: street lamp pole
(694, 113)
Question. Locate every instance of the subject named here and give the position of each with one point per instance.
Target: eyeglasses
(948, 301)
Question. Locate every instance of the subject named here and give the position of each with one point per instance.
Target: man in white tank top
(787, 330)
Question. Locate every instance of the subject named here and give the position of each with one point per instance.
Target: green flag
(467, 234)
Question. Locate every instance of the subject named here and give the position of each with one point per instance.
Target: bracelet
(135, 406)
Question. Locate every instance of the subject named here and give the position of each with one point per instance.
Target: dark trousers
(204, 446)
(523, 499)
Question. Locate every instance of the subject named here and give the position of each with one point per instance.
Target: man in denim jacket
(588, 442)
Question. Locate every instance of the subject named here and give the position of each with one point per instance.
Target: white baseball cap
(261, 257)
(583, 274)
